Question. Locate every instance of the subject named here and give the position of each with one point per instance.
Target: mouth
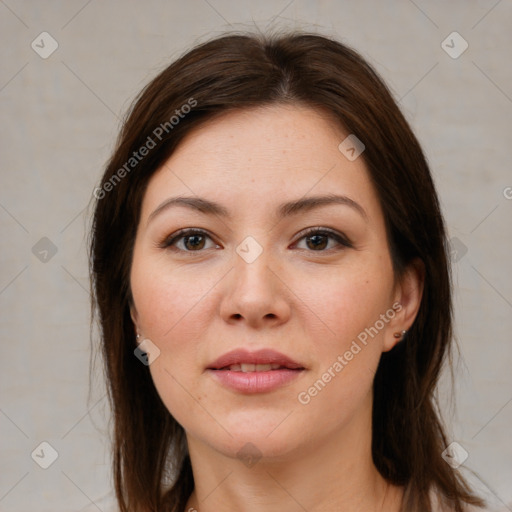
(264, 360)
(248, 367)
(254, 372)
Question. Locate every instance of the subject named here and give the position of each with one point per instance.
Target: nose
(255, 293)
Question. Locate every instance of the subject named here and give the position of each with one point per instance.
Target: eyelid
(339, 237)
(174, 237)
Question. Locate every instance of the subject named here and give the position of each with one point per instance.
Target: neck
(334, 473)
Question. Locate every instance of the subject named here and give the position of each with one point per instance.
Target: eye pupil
(195, 244)
(318, 243)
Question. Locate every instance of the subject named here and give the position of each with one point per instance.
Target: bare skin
(307, 296)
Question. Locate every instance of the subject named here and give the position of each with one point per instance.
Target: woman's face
(253, 279)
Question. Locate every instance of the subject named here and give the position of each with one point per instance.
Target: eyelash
(342, 240)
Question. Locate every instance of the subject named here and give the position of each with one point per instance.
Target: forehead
(250, 158)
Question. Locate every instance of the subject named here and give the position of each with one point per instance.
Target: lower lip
(255, 382)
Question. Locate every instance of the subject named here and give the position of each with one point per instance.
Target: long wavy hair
(151, 465)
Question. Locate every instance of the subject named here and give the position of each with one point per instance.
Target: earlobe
(398, 337)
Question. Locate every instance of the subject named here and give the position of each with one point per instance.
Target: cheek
(347, 351)
(347, 301)
(354, 308)
(173, 307)
(167, 298)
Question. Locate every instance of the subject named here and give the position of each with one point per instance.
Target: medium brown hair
(151, 466)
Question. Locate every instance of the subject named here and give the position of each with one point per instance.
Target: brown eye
(317, 239)
(191, 240)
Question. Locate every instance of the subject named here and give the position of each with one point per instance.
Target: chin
(254, 436)
(252, 446)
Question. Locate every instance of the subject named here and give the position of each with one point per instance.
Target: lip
(263, 356)
(256, 381)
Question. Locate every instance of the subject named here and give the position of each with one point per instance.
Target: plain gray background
(60, 116)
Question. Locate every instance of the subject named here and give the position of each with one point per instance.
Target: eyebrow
(284, 210)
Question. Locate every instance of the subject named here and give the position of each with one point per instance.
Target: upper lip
(263, 356)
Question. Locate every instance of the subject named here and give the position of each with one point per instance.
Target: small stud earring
(398, 335)
(137, 338)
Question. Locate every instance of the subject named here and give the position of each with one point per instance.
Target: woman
(270, 273)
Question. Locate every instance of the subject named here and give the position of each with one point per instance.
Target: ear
(134, 315)
(407, 295)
